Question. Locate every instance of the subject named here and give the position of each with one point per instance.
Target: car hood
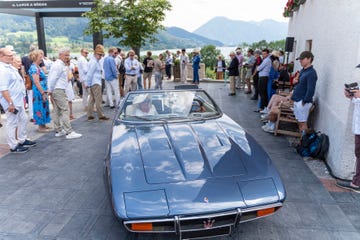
(182, 164)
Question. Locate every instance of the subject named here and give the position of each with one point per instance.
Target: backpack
(313, 144)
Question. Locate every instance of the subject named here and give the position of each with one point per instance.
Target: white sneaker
(264, 116)
(61, 133)
(265, 110)
(268, 129)
(73, 135)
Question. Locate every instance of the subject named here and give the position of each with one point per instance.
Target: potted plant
(287, 12)
(301, 1)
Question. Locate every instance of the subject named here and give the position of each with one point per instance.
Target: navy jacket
(305, 88)
(234, 67)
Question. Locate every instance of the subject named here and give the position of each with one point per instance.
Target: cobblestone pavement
(56, 190)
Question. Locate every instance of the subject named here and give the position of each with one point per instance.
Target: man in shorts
(304, 91)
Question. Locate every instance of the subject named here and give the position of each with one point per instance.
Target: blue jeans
(139, 82)
(196, 76)
(158, 80)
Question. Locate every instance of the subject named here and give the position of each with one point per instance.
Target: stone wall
(190, 72)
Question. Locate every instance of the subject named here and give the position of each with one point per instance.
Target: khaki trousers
(147, 75)
(61, 109)
(130, 83)
(232, 83)
(95, 98)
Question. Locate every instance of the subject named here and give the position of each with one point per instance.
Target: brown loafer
(103, 118)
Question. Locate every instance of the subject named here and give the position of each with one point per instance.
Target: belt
(132, 75)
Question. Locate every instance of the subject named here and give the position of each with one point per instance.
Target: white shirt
(82, 68)
(132, 63)
(12, 82)
(58, 76)
(184, 59)
(356, 116)
(118, 61)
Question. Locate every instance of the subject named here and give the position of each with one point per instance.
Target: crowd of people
(51, 83)
(266, 70)
(34, 83)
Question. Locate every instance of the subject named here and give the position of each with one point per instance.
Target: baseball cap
(305, 54)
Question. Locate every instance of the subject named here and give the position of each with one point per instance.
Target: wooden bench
(286, 119)
(282, 86)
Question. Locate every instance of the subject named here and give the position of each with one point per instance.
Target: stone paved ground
(56, 190)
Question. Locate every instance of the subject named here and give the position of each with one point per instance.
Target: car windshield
(168, 105)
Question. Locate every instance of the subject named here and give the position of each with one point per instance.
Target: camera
(351, 87)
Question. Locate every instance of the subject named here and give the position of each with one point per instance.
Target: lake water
(223, 50)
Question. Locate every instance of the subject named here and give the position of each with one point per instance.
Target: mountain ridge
(248, 31)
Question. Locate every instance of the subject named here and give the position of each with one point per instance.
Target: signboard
(45, 4)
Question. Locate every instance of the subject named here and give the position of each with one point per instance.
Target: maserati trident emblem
(209, 223)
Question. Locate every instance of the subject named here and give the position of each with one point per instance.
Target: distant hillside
(174, 37)
(20, 32)
(234, 32)
(181, 33)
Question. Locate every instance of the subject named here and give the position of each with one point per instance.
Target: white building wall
(334, 28)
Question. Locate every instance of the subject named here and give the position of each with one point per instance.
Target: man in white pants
(12, 89)
(83, 69)
(111, 77)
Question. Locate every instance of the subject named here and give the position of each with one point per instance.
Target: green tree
(209, 55)
(274, 45)
(131, 21)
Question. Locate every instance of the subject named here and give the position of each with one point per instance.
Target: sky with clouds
(191, 14)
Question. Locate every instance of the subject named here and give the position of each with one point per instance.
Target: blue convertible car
(177, 164)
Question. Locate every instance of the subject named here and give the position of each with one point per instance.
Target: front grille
(208, 221)
(201, 226)
(198, 234)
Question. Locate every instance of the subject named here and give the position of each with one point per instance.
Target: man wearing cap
(354, 96)
(304, 90)
(93, 81)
